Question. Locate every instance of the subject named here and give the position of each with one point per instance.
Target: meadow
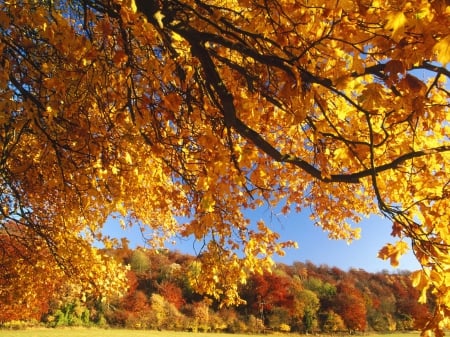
(95, 332)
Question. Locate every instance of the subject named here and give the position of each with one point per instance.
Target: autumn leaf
(394, 68)
(396, 22)
(413, 84)
(393, 252)
(442, 50)
(120, 57)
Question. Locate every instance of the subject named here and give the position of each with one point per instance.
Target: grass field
(94, 332)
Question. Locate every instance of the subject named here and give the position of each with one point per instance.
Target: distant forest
(301, 297)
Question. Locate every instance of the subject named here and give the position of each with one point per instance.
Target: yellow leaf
(396, 22)
(420, 282)
(159, 18)
(133, 6)
(115, 169)
(442, 50)
(393, 252)
(417, 280)
(177, 37)
(128, 158)
(207, 203)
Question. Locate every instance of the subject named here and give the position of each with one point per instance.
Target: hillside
(301, 297)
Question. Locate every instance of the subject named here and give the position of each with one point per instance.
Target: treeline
(300, 297)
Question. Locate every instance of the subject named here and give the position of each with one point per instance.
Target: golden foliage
(160, 111)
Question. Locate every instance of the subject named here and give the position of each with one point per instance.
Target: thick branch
(224, 100)
(267, 148)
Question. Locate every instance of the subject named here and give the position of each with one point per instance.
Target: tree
(351, 307)
(156, 111)
(21, 296)
(333, 322)
(324, 291)
(164, 315)
(306, 306)
(139, 261)
(268, 291)
(138, 313)
(172, 294)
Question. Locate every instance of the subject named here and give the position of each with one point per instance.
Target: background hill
(300, 297)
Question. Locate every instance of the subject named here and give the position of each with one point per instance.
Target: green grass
(94, 332)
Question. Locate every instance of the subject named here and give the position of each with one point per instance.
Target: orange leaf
(393, 68)
(120, 57)
(415, 84)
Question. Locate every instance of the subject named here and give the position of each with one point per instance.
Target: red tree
(270, 289)
(406, 297)
(172, 293)
(350, 306)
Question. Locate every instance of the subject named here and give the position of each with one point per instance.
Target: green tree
(306, 307)
(139, 261)
(73, 313)
(324, 290)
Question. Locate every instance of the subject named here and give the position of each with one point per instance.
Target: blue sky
(314, 244)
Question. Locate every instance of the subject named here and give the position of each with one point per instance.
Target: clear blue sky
(314, 244)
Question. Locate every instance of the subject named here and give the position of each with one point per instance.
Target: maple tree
(14, 289)
(158, 111)
(172, 293)
(351, 307)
